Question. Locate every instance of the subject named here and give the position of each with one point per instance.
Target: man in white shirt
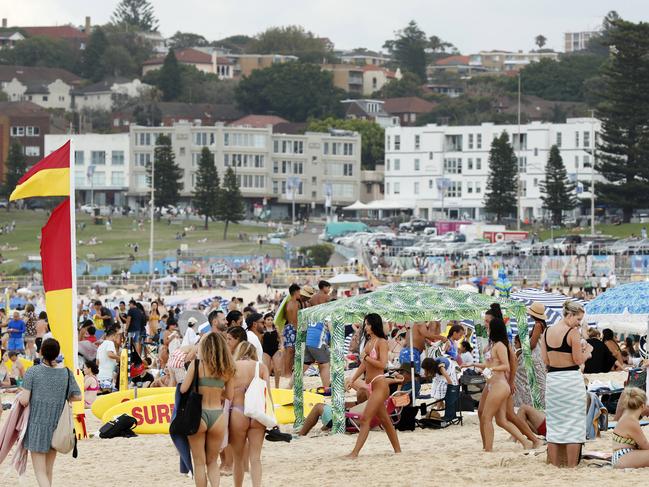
(255, 332)
(107, 358)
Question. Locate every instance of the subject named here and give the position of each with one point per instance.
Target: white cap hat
(192, 321)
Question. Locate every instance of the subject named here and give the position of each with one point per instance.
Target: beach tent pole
(412, 365)
(337, 375)
(298, 379)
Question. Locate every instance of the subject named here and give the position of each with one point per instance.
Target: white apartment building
(578, 41)
(442, 170)
(101, 166)
(273, 169)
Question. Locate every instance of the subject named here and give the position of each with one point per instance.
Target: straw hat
(537, 310)
(307, 291)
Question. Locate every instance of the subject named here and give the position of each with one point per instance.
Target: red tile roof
(58, 32)
(186, 56)
(453, 60)
(408, 104)
(258, 121)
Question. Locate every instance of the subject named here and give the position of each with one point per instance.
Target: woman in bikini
(271, 345)
(243, 429)
(630, 445)
(374, 358)
(215, 369)
(496, 370)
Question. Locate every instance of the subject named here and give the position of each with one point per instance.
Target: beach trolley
(406, 303)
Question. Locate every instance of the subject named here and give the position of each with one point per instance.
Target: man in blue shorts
(289, 334)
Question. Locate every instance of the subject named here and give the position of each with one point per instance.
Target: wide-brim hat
(537, 310)
(307, 291)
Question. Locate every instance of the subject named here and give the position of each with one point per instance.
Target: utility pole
(592, 172)
(518, 159)
(152, 215)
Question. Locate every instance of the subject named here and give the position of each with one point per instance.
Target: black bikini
(564, 348)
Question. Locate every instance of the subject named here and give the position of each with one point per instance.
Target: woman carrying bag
(213, 371)
(47, 388)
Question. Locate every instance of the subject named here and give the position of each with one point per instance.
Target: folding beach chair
(452, 410)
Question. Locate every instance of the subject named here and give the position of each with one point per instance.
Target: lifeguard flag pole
(52, 176)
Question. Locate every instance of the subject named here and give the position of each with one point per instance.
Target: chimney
(4, 23)
(87, 27)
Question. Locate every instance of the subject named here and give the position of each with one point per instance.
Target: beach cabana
(401, 303)
(623, 309)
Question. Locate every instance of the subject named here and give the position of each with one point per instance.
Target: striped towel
(565, 407)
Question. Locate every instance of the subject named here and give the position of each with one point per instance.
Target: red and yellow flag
(49, 177)
(56, 257)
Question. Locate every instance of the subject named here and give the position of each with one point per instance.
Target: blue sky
(471, 25)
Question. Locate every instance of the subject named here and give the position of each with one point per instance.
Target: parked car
(416, 225)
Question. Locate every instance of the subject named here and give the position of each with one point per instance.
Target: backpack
(121, 426)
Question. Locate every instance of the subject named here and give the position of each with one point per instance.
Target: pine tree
(501, 194)
(230, 208)
(170, 79)
(92, 57)
(16, 166)
(135, 13)
(207, 189)
(557, 192)
(167, 175)
(623, 154)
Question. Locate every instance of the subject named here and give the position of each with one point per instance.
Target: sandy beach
(430, 457)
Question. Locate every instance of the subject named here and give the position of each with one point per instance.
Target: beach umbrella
(503, 285)
(346, 279)
(553, 303)
(623, 309)
(410, 273)
(25, 291)
(407, 303)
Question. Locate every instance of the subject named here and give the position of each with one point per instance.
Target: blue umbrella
(624, 308)
(503, 285)
(553, 303)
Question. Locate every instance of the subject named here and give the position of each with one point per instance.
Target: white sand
(430, 457)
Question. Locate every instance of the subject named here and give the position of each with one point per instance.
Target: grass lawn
(114, 248)
(617, 231)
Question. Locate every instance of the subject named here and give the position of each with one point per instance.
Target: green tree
(42, 51)
(117, 61)
(292, 90)
(230, 207)
(623, 153)
(138, 14)
(139, 47)
(291, 40)
(319, 254)
(372, 136)
(501, 194)
(408, 85)
(170, 79)
(408, 49)
(91, 60)
(167, 175)
(557, 193)
(207, 188)
(16, 166)
(238, 44)
(183, 40)
(540, 40)
(197, 86)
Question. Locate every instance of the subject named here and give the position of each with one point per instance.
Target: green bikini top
(211, 382)
(624, 440)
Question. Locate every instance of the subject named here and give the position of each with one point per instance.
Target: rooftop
(186, 56)
(101, 86)
(258, 121)
(57, 32)
(453, 61)
(33, 74)
(22, 108)
(408, 104)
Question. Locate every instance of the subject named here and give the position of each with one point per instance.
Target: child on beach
(91, 383)
(630, 445)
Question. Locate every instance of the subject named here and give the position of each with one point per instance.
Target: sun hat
(537, 310)
(307, 291)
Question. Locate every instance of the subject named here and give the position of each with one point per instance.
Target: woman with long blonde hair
(215, 369)
(242, 428)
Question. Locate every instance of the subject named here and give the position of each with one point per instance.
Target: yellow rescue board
(152, 413)
(105, 402)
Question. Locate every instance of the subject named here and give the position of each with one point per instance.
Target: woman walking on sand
(374, 359)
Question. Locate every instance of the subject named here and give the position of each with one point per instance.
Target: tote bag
(188, 416)
(256, 404)
(64, 439)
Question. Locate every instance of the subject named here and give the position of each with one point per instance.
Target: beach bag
(121, 426)
(64, 440)
(257, 404)
(188, 415)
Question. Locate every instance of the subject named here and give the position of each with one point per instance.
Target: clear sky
(471, 25)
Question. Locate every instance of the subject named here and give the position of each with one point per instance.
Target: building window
(478, 164)
(454, 190)
(275, 167)
(32, 151)
(453, 165)
(17, 131)
(586, 162)
(117, 158)
(536, 182)
(32, 131)
(417, 142)
(469, 187)
(397, 165)
(387, 164)
(181, 151)
(479, 141)
(98, 157)
(430, 184)
(348, 169)
(430, 156)
(416, 189)
(78, 157)
(536, 151)
(469, 164)
(99, 178)
(523, 188)
(387, 143)
(559, 139)
(522, 164)
(117, 178)
(298, 168)
(576, 139)
(478, 188)
(586, 139)
(397, 142)
(275, 187)
(45, 98)
(348, 149)
(143, 159)
(387, 188)
(397, 188)
(144, 138)
(470, 141)
(79, 178)
(325, 147)
(417, 165)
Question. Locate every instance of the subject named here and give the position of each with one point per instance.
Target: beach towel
(12, 433)
(565, 407)
(597, 417)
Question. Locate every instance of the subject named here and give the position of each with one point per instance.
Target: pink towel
(13, 432)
